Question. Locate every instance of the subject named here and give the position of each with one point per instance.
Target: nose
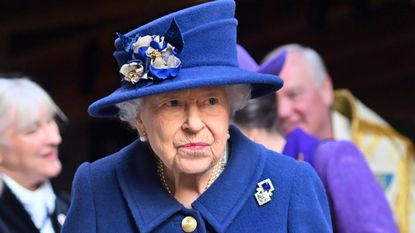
(52, 134)
(193, 121)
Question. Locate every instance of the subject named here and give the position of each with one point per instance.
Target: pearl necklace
(216, 171)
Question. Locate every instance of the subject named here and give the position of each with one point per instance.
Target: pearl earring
(228, 136)
(143, 137)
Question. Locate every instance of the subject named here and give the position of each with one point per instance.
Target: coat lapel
(221, 203)
(149, 203)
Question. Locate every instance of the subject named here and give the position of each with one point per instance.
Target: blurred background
(67, 46)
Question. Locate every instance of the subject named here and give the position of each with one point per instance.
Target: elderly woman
(190, 171)
(341, 166)
(29, 139)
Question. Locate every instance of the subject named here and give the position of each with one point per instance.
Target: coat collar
(151, 205)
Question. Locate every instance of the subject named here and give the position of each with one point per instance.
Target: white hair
(21, 100)
(238, 96)
(312, 58)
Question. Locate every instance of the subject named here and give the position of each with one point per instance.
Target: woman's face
(30, 156)
(186, 129)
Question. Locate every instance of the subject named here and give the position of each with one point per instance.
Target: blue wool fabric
(123, 193)
(208, 57)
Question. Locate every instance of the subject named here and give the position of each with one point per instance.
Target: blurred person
(309, 101)
(345, 174)
(3, 226)
(190, 170)
(257, 121)
(29, 140)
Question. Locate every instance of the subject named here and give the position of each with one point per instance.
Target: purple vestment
(358, 204)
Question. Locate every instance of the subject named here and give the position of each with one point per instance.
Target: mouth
(51, 155)
(195, 146)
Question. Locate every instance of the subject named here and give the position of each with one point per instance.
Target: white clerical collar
(39, 203)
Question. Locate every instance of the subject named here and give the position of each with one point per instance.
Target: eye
(212, 101)
(294, 94)
(172, 103)
(32, 129)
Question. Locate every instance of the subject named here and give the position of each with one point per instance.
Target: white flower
(152, 53)
(141, 42)
(132, 72)
(159, 63)
(173, 62)
(159, 40)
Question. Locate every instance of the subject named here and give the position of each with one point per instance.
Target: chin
(196, 166)
(53, 170)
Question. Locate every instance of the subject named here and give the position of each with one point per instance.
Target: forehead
(22, 118)
(296, 72)
(191, 93)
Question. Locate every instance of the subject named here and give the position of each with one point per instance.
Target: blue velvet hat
(191, 48)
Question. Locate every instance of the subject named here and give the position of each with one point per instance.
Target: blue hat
(191, 48)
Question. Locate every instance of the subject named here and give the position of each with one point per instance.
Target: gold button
(189, 224)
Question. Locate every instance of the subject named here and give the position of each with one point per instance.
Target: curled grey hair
(21, 100)
(313, 59)
(238, 96)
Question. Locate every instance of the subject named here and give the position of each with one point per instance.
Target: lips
(196, 146)
(50, 155)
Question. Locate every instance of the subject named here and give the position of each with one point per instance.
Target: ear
(139, 125)
(327, 91)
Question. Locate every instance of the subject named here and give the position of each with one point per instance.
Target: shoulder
(109, 162)
(336, 150)
(301, 145)
(297, 184)
(338, 154)
(287, 171)
(277, 162)
(102, 172)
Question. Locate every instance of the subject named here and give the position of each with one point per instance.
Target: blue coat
(122, 193)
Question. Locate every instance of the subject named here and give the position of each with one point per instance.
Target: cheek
(311, 108)
(19, 159)
(219, 131)
(162, 129)
(307, 104)
(161, 133)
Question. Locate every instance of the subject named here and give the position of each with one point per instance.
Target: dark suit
(15, 219)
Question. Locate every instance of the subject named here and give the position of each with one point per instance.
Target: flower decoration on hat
(153, 57)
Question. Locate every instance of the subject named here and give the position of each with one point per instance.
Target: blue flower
(152, 56)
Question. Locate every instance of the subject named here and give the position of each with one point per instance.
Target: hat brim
(195, 77)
